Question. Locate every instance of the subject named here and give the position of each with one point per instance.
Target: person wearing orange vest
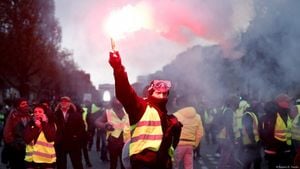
(275, 132)
(155, 134)
(39, 135)
(116, 123)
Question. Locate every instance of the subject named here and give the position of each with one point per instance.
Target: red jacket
(135, 106)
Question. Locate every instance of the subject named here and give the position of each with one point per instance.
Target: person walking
(155, 134)
(191, 133)
(69, 135)
(116, 123)
(39, 136)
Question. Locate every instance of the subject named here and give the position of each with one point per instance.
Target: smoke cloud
(268, 62)
(177, 26)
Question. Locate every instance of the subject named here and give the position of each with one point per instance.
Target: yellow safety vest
(40, 152)
(120, 125)
(246, 139)
(84, 114)
(208, 117)
(237, 122)
(296, 126)
(298, 108)
(147, 134)
(282, 131)
(94, 108)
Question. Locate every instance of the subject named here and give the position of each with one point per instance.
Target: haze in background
(177, 26)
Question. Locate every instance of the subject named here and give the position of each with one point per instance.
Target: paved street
(208, 159)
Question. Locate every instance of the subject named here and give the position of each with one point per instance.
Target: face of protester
(23, 106)
(65, 105)
(160, 95)
(38, 113)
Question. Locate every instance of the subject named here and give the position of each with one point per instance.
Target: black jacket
(70, 132)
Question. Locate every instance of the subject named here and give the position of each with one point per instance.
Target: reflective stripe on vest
(148, 133)
(296, 128)
(282, 131)
(40, 152)
(246, 139)
(120, 125)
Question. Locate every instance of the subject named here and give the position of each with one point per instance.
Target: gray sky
(175, 26)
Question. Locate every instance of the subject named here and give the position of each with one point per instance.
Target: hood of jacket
(187, 112)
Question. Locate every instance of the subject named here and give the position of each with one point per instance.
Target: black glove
(115, 59)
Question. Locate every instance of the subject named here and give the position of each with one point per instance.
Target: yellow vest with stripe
(120, 125)
(246, 138)
(237, 122)
(283, 131)
(147, 134)
(296, 126)
(41, 152)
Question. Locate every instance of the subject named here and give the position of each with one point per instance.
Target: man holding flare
(155, 134)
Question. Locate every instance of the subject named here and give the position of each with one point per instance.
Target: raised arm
(124, 92)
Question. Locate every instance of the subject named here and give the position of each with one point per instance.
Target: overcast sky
(175, 26)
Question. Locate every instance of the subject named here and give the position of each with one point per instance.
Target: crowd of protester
(139, 132)
(246, 133)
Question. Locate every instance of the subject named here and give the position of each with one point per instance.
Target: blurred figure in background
(296, 132)
(191, 133)
(97, 110)
(226, 134)
(2, 119)
(39, 136)
(116, 123)
(83, 111)
(275, 132)
(14, 134)
(250, 154)
(210, 114)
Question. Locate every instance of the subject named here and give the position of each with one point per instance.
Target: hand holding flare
(114, 56)
(113, 46)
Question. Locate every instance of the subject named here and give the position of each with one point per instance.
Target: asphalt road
(208, 159)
